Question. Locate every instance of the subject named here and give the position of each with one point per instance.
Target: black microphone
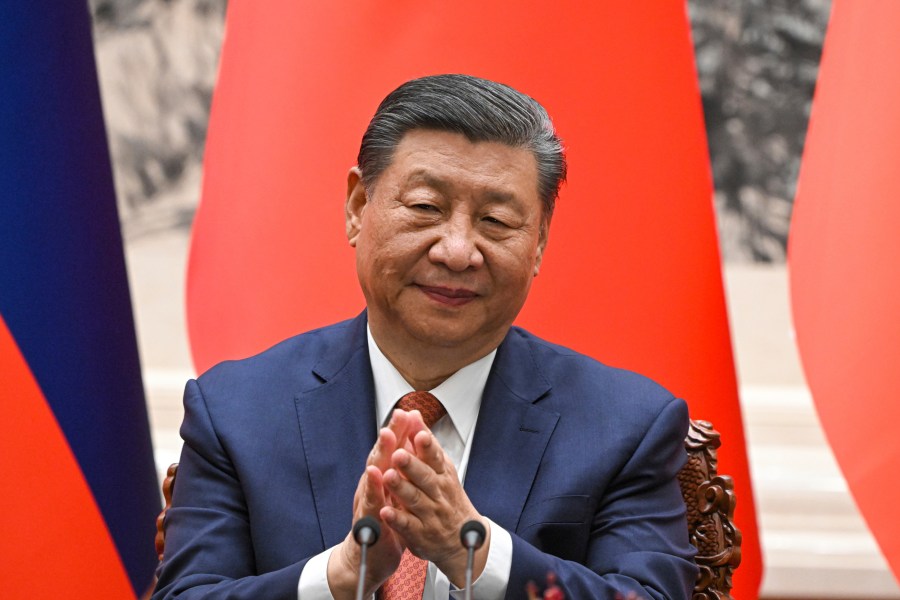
(365, 532)
(472, 535)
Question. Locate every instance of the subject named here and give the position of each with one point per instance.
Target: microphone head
(366, 531)
(472, 534)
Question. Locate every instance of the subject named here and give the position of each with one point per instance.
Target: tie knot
(424, 402)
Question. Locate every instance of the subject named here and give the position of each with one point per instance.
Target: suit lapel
(511, 434)
(337, 426)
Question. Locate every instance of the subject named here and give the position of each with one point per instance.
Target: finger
(405, 494)
(373, 491)
(385, 445)
(416, 423)
(409, 529)
(415, 484)
(405, 425)
(430, 452)
(398, 424)
(370, 493)
(396, 516)
(358, 494)
(399, 521)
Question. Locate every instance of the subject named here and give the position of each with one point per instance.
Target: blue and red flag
(80, 492)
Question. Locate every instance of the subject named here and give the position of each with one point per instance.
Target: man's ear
(355, 205)
(542, 244)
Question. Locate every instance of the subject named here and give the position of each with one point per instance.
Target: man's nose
(456, 248)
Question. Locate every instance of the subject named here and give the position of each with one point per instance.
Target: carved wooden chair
(709, 498)
(167, 487)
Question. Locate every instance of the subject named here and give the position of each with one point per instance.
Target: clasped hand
(411, 486)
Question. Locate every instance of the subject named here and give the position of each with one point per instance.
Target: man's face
(448, 241)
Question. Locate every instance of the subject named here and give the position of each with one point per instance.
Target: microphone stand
(365, 532)
(472, 535)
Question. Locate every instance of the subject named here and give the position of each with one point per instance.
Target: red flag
(631, 274)
(845, 257)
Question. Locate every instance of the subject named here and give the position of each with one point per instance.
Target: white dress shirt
(461, 396)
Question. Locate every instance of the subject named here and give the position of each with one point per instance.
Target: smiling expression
(448, 241)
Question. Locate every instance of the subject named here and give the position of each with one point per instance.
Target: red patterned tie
(408, 581)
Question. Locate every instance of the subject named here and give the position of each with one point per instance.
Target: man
(569, 464)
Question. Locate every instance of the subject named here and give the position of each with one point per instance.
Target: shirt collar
(460, 393)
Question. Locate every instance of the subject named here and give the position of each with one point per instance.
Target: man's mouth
(449, 296)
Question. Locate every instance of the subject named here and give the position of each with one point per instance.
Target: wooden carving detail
(710, 502)
(167, 487)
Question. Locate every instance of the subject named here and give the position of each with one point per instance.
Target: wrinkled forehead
(433, 139)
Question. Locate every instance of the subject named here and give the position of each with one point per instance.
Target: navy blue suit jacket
(577, 460)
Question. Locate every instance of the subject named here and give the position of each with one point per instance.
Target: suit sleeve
(638, 534)
(209, 553)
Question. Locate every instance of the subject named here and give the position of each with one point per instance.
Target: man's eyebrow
(423, 176)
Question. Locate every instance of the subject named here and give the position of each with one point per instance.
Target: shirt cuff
(314, 578)
(493, 581)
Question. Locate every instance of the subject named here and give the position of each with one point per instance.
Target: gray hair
(481, 110)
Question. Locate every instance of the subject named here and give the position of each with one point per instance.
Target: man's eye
(425, 207)
(494, 221)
